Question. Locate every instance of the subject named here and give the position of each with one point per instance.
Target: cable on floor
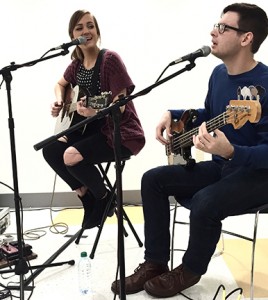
(224, 297)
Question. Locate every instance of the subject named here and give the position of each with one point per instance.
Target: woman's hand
(56, 108)
(85, 111)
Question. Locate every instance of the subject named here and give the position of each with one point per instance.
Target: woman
(73, 157)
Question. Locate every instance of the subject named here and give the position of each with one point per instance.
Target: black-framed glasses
(221, 27)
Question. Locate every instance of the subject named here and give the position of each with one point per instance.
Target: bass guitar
(237, 113)
(64, 119)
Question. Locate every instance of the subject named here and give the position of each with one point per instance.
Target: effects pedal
(10, 251)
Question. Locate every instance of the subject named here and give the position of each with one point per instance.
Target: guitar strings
(186, 139)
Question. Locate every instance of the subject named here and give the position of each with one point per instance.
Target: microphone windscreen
(82, 39)
(206, 50)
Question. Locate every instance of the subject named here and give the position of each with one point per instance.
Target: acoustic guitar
(72, 95)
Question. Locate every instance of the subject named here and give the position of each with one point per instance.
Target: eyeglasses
(221, 27)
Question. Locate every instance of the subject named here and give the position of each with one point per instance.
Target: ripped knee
(63, 139)
(72, 156)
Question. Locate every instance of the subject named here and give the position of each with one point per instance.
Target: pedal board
(9, 253)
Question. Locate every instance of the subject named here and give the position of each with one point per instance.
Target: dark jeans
(211, 191)
(94, 150)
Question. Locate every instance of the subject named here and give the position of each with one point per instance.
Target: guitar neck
(237, 113)
(90, 102)
(185, 139)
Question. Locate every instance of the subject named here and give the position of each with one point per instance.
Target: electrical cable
(5, 292)
(7, 185)
(235, 290)
(224, 297)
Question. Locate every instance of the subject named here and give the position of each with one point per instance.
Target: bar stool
(104, 171)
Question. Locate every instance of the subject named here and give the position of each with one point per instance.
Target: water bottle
(84, 270)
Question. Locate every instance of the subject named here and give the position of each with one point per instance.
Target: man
(236, 178)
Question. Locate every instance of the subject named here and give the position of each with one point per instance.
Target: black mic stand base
(47, 263)
(41, 268)
(21, 267)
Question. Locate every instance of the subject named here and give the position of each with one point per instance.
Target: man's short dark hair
(251, 18)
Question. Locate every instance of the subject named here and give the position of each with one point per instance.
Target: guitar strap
(96, 72)
(95, 76)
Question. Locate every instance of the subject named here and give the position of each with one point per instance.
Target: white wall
(148, 34)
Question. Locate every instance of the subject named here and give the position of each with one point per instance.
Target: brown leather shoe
(171, 283)
(135, 282)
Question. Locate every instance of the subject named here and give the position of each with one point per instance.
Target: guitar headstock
(100, 101)
(240, 111)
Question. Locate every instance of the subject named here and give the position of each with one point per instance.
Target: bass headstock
(238, 112)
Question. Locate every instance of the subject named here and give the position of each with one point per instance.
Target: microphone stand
(21, 266)
(115, 112)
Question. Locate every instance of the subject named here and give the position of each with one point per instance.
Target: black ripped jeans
(94, 149)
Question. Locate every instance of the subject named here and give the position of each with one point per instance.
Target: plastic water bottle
(84, 274)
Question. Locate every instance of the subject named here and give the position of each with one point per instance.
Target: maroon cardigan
(114, 78)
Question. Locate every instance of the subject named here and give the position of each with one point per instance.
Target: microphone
(204, 51)
(78, 41)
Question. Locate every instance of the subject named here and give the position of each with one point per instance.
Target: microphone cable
(162, 73)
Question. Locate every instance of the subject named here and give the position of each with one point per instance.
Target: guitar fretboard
(185, 140)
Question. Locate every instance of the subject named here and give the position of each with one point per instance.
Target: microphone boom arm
(14, 67)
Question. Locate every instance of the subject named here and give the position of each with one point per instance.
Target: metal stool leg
(253, 256)
(112, 188)
(132, 228)
(172, 249)
(79, 236)
(172, 236)
(104, 172)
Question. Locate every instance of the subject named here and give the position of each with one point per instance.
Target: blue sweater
(251, 140)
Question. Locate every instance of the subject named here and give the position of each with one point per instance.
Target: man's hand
(217, 144)
(164, 125)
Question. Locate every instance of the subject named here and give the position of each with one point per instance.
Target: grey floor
(60, 282)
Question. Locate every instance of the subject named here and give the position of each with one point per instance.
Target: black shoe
(112, 206)
(88, 202)
(100, 207)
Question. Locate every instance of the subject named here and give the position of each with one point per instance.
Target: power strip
(4, 219)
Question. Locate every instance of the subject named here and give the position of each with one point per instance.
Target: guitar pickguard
(182, 155)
